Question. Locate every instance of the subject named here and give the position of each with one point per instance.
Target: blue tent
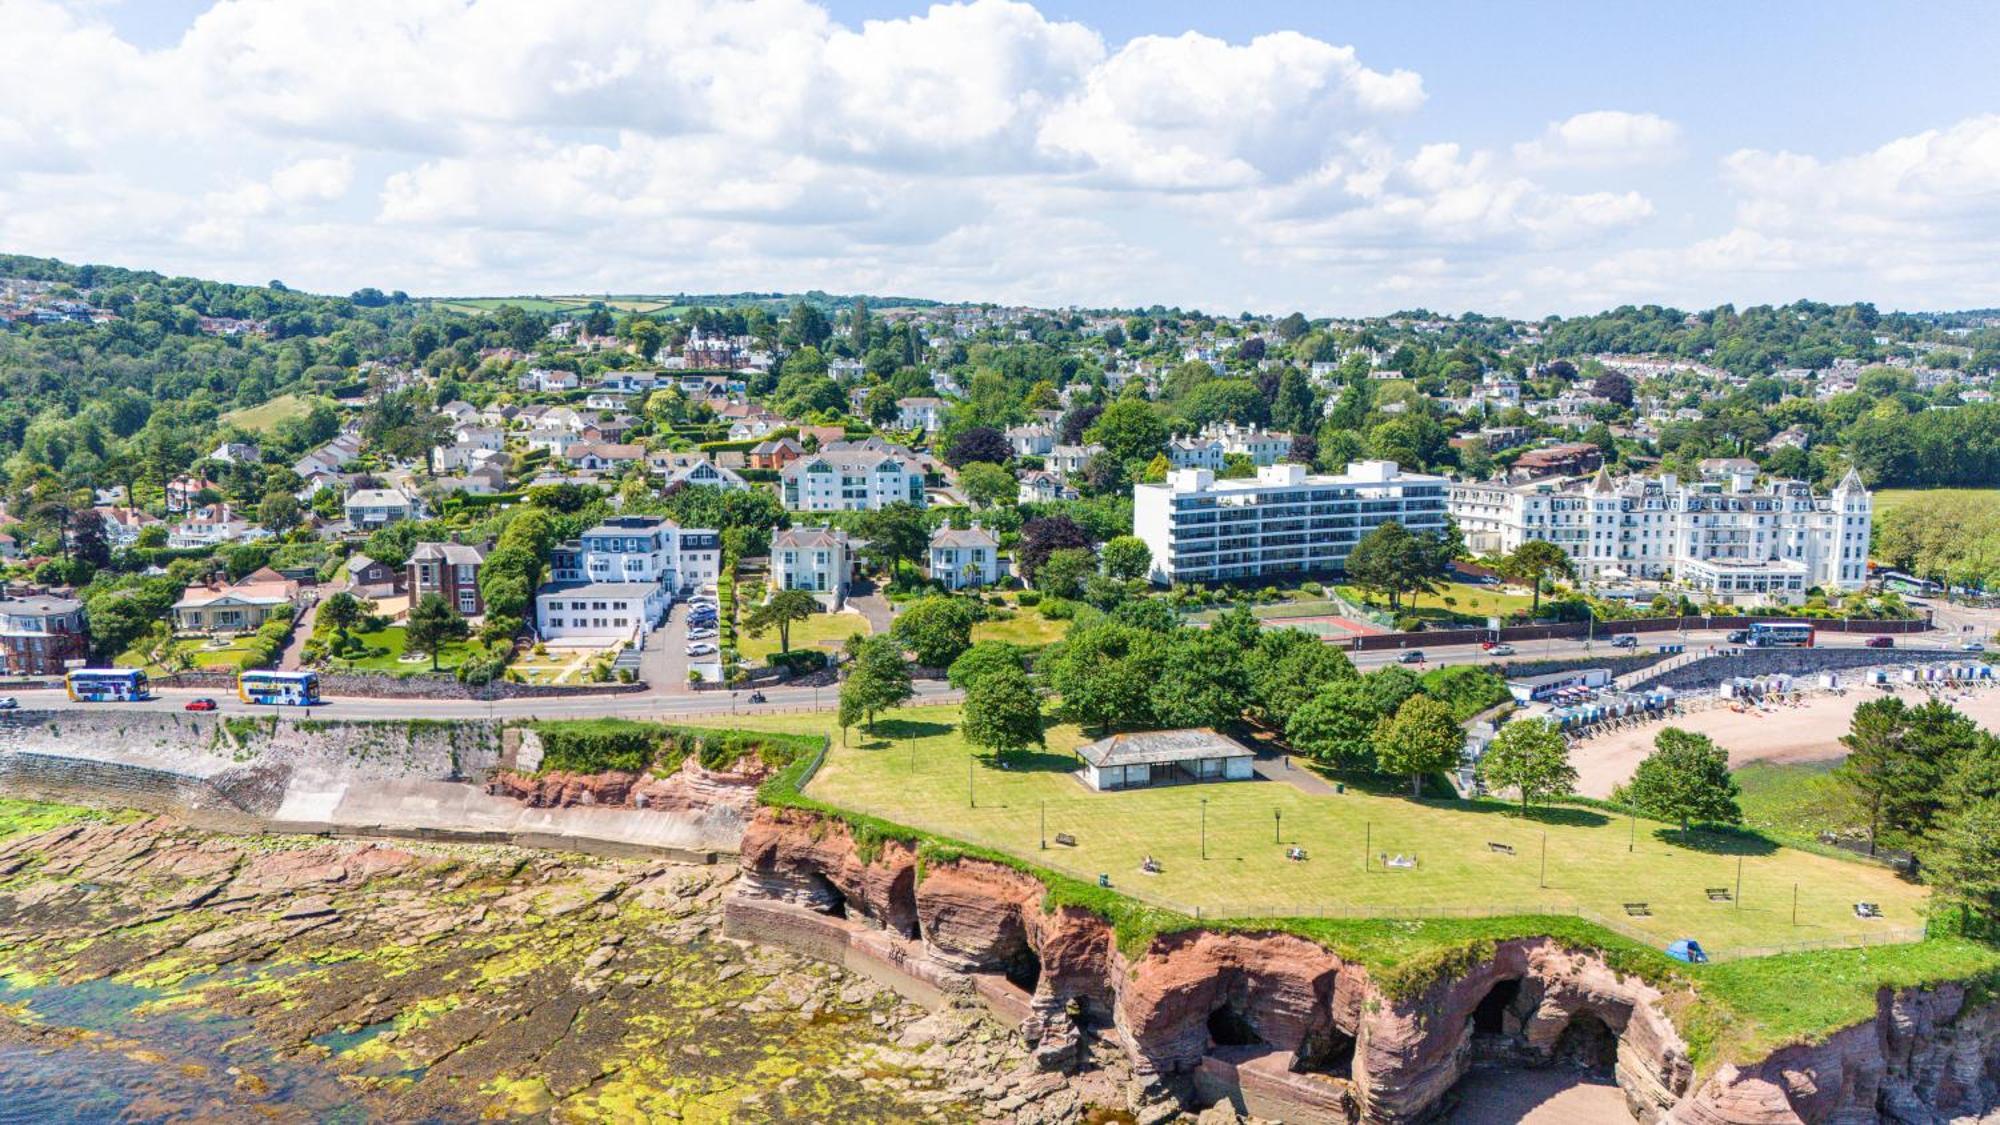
(1687, 949)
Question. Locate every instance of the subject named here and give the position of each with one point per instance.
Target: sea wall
(1283, 1028)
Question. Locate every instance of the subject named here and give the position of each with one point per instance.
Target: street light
(1204, 828)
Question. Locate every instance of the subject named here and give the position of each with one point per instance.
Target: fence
(1570, 630)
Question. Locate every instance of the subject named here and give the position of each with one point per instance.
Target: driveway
(301, 632)
(664, 663)
(871, 605)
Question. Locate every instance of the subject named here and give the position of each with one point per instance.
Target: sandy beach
(1806, 733)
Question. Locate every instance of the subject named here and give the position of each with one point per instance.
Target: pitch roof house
(238, 607)
(1141, 759)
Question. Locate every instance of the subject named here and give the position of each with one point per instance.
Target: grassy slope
(1027, 627)
(1246, 874)
(1889, 499)
(264, 417)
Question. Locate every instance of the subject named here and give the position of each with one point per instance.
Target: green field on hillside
(1889, 499)
(917, 770)
(264, 417)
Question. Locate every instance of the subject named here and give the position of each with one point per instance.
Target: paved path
(1272, 767)
(294, 652)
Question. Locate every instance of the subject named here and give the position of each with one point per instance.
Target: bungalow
(961, 559)
(613, 401)
(236, 453)
(549, 381)
(240, 607)
(816, 559)
(1141, 759)
(603, 456)
(681, 470)
(370, 508)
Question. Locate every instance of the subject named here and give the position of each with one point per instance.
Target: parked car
(8, 703)
(1879, 642)
(1624, 640)
(701, 634)
(1501, 649)
(1414, 656)
(202, 704)
(703, 649)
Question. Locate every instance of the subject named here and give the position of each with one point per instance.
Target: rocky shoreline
(460, 983)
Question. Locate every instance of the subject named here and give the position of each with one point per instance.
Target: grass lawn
(196, 649)
(264, 418)
(826, 631)
(1889, 499)
(1028, 628)
(1590, 871)
(1793, 800)
(392, 638)
(1466, 601)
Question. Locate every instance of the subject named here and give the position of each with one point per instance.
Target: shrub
(798, 661)
(1058, 609)
(1031, 597)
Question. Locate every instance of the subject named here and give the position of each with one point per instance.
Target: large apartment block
(1284, 521)
(851, 480)
(1725, 535)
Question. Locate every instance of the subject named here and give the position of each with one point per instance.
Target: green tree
(1288, 667)
(1965, 869)
(279, 512)
(1878, 759)
(1390, 560)
(936, 630)
(896, 533)
(982, 660)
(1100, 675)
(1420, 738)
(1529, 756)
(1003, 712)
(343, 612)
(433, 624)
(1336, 726)
(1535, 560)
(780, 611)
(1129, 430)
(1127, 557)
(1686, 778)
(987, 484)
(877, 681)
(1063, 572)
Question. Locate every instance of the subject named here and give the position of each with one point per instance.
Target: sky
(1337, 158)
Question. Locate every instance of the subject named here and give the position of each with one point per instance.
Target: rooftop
(1151, 746)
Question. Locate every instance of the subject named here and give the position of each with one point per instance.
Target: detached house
(41, 634)
(962, 559)
(239, 607)
(920, 413)
(450, 570)
(816, 559)
(183, 490)
(370, 508)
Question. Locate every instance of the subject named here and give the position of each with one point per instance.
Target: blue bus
(297, 689)
(1781, 635)
(102, 685)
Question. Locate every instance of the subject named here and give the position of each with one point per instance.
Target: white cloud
(1602, 138)
(979, 150)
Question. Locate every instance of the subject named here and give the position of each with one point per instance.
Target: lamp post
(970, 802)
(1277, 818)
(1204, 828)
(1045, 825)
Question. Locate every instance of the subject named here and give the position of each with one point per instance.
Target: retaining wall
(1641, 626)
(1709, 671)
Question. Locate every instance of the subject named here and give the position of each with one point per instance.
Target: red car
(1880, 642)
(202, 704)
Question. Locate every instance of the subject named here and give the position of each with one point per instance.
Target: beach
(1807, 732)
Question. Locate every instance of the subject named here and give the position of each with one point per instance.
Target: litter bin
(1340, 787)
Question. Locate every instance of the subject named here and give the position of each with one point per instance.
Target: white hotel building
(1725, 536)
(617, 580)
(1283, 521)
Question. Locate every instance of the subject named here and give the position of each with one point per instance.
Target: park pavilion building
(1141, 759)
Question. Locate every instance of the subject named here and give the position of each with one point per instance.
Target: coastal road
(670, 703)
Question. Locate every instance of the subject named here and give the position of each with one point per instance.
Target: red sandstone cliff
(691, 788)
(1284, 1004)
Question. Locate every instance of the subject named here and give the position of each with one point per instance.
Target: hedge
(598, 745)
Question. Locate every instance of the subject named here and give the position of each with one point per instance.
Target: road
(675, 700)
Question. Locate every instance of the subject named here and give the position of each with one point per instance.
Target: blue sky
(1339, 158)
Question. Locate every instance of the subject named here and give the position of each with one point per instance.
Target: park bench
(1503, 849)
(1639, 910)
(1867, 910)
(1151, 866)
(1065, 839)
(1296, 855)
(1401, 862)
(1719, 894)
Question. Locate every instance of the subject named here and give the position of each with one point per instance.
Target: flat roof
(601, 589)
